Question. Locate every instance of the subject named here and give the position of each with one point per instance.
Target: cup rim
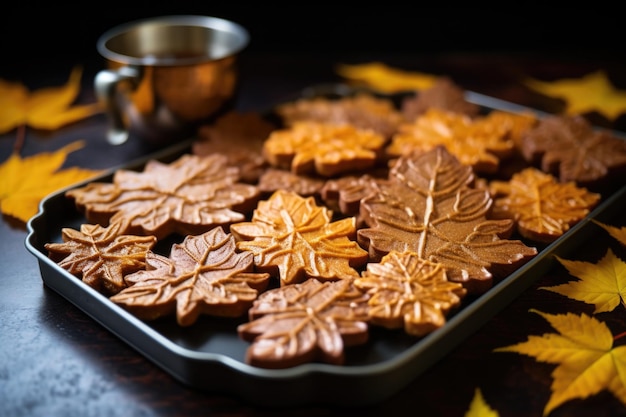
(211, 22)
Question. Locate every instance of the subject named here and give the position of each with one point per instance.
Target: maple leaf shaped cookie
(202, 275)
(188, 196)
(445, 94)
(407, 291)
(326, 149)
(305, 322)
(347, 192)
(543, 207)
(362, 110)
(273, 179)
(570, 148)
(587, 362)
(101, 256)
(477, 142)
(429, 208)
(295, 236)
(239, 136)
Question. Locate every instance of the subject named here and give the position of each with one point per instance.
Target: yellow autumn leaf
(602, 284)
(383, 78)
(593, 92)
(47, 108)
(24, 182)
(480, 408)
(618, 233)
(583, 350)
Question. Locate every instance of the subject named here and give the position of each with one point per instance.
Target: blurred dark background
(41, 36)
(298, 44)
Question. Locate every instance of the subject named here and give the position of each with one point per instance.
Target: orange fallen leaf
(587, 362)
(593, 92)
(26, 181)
(386, 79)
(479, 407)
(47, 108)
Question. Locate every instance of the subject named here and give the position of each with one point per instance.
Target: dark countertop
(56, 361)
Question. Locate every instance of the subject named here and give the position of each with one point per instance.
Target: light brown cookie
(445, 94)
(429, 207)
(346, 193)
(202, 275)
(273, 179)
(364, 111)
(308, 322)
(101, 256)
(569, 148)
(239, 136)
(188, 196)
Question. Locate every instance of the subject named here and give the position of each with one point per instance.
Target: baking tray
(210, 356)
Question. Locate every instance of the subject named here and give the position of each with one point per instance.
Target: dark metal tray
(209, 355)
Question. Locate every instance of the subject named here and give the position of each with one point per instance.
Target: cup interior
(173, 40)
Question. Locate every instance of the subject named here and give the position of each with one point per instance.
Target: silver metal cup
(166, 75)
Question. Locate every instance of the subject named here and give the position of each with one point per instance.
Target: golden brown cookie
(479, 142)
(543, 207)
(514, 124)
(409, 292)
(308, 148)
(293, 238)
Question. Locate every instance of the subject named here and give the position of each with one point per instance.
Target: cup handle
(106, 82)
